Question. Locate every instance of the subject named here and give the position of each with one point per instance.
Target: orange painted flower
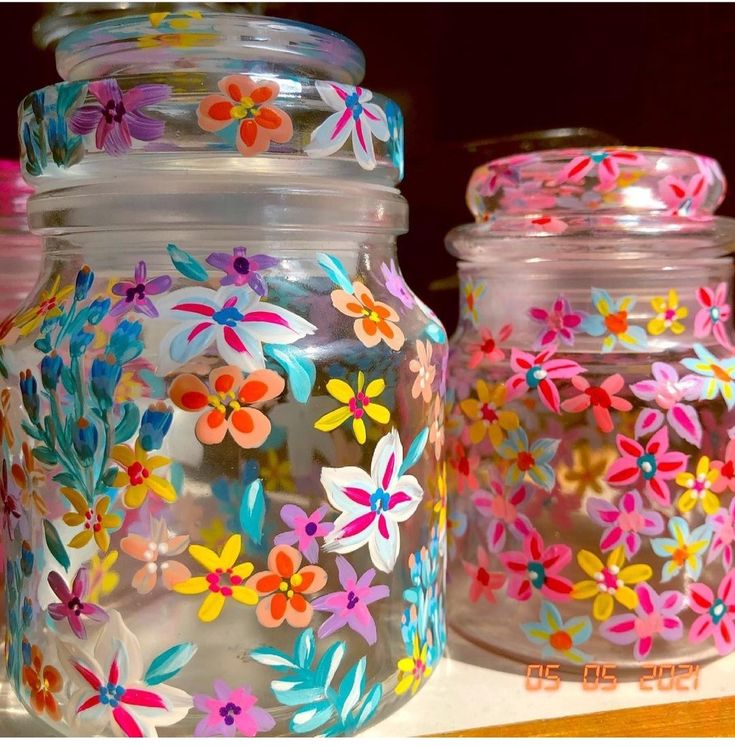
(47, 306)
(30, 480)
(246, 105)
(282, 588)
(228, 407)
(44, 683)
(374, 321)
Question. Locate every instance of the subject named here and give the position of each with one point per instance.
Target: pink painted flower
(537, 568)
(655, 615)
(483, 581)
(504, 513)
(230, 712)
(350, 606)
(601, 399)
(712, 318)
(548, 224)
(716, 613)
(425, 371)
(722, 524)
(625, 523)
(726, 468)
(71, 605)
(654, 464)
(305, 529)
(464, 467)
(557, 324)
(683, 198)
(539, 372)
(669, 392)
(608, 165)
(488, 350)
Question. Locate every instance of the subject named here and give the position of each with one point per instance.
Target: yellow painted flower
(214, 533)
(137, 477)
(94, 522)
(413, 670)
(609, 581)
(587, 471)
(102, 579)
(276, 473)
(48, 306)
(668, 314)
(440, 507)
(225, 578)
(699, 488)
(486, 413)
(30, 479)
(471, 294)
(357, 404)
(177, 20)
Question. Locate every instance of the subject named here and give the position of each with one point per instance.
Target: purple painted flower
(655, 615)
(231, 711)
(625, 523)
(117, 119)
(350, 607)
(557, 324)
(241, 270)
(723, 535)
(135, 294)
(304, 529)
(72, 606)
(396, 285)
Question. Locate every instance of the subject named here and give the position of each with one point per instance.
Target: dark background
(648, 74)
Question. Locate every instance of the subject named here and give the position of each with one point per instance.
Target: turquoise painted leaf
(169, 663)
(436, 333)
(311, 717)
(369, 707)
(128, 424)
(335, 271)
(186, 264)
(329, 664)
(272, 657)
(414, 451)
(67, 480)
(305, 649)
(294, 690)
(351, 688)
(252, 511)
(55, 545)
(45, 455)
(300, 369)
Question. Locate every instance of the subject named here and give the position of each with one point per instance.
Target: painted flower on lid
(683, 197)
(607, 164)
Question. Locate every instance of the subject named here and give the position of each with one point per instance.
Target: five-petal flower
(684, 548)
(716, 613)
(558, 638)
(602, 399)
(374, 320)
(72, 606)
(718, 374)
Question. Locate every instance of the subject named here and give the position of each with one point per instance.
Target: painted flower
(135, 294)
(396, 285)
(282, 589)
(722, 524)
(103, 580)
(558, 324)
(483, 581)
(587, 471)
(683, 198)
(413, 669)
(276, 474)
(45, 683)
(374, 320)
(668, 314)
(137, 475)
(304, 529)
(700, 488)
(110, 690)
(726, 468)
(246, 106)
(30, 479)
(532, 461)
(10, 506)
(233, 318)
(372, 505)
(538, 372)
(464, 467)
(625, 523)
(655, 615)
(487, 416)
(609, 582)
(558, 638)
(72, 606)
(607, 163)
(225, 578)
(654, 464)
(354, 115)
(242, 270)
(537, 567)
(669, 392)
(436, 426)
(425, 371)
(718, 374)
(95, 521)
(487, 350)
(504, 512)
(602, 399)
(230, 712)
(154, 552)
(49, 306)
(350, 606)
(357, 404)
(117, 118)
(471, 294)
(716, 613)
(712, 318)
(684, 548)
(612, 321)
(227, 404)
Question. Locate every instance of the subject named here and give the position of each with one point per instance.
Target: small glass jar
(232, 403)
(591, 388)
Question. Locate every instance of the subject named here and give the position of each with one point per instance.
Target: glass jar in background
(233, 402)
(589, 426)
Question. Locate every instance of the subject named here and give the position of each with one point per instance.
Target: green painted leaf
(186, 264)
(45, 455)
(128, 424)
(169, 663)
(55, 545)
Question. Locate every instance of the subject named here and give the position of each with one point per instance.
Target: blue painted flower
(718, 375)
(26, 559)
(559, 639)
(684, 548)
(612, 321)
(51, 368)
(27, 612)
(125, 344)
(103, 380)
(154, 426)
(85, 438)
(533, 461)
(83, 284)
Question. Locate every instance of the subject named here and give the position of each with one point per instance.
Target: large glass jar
(592, 382)
(232, 520)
